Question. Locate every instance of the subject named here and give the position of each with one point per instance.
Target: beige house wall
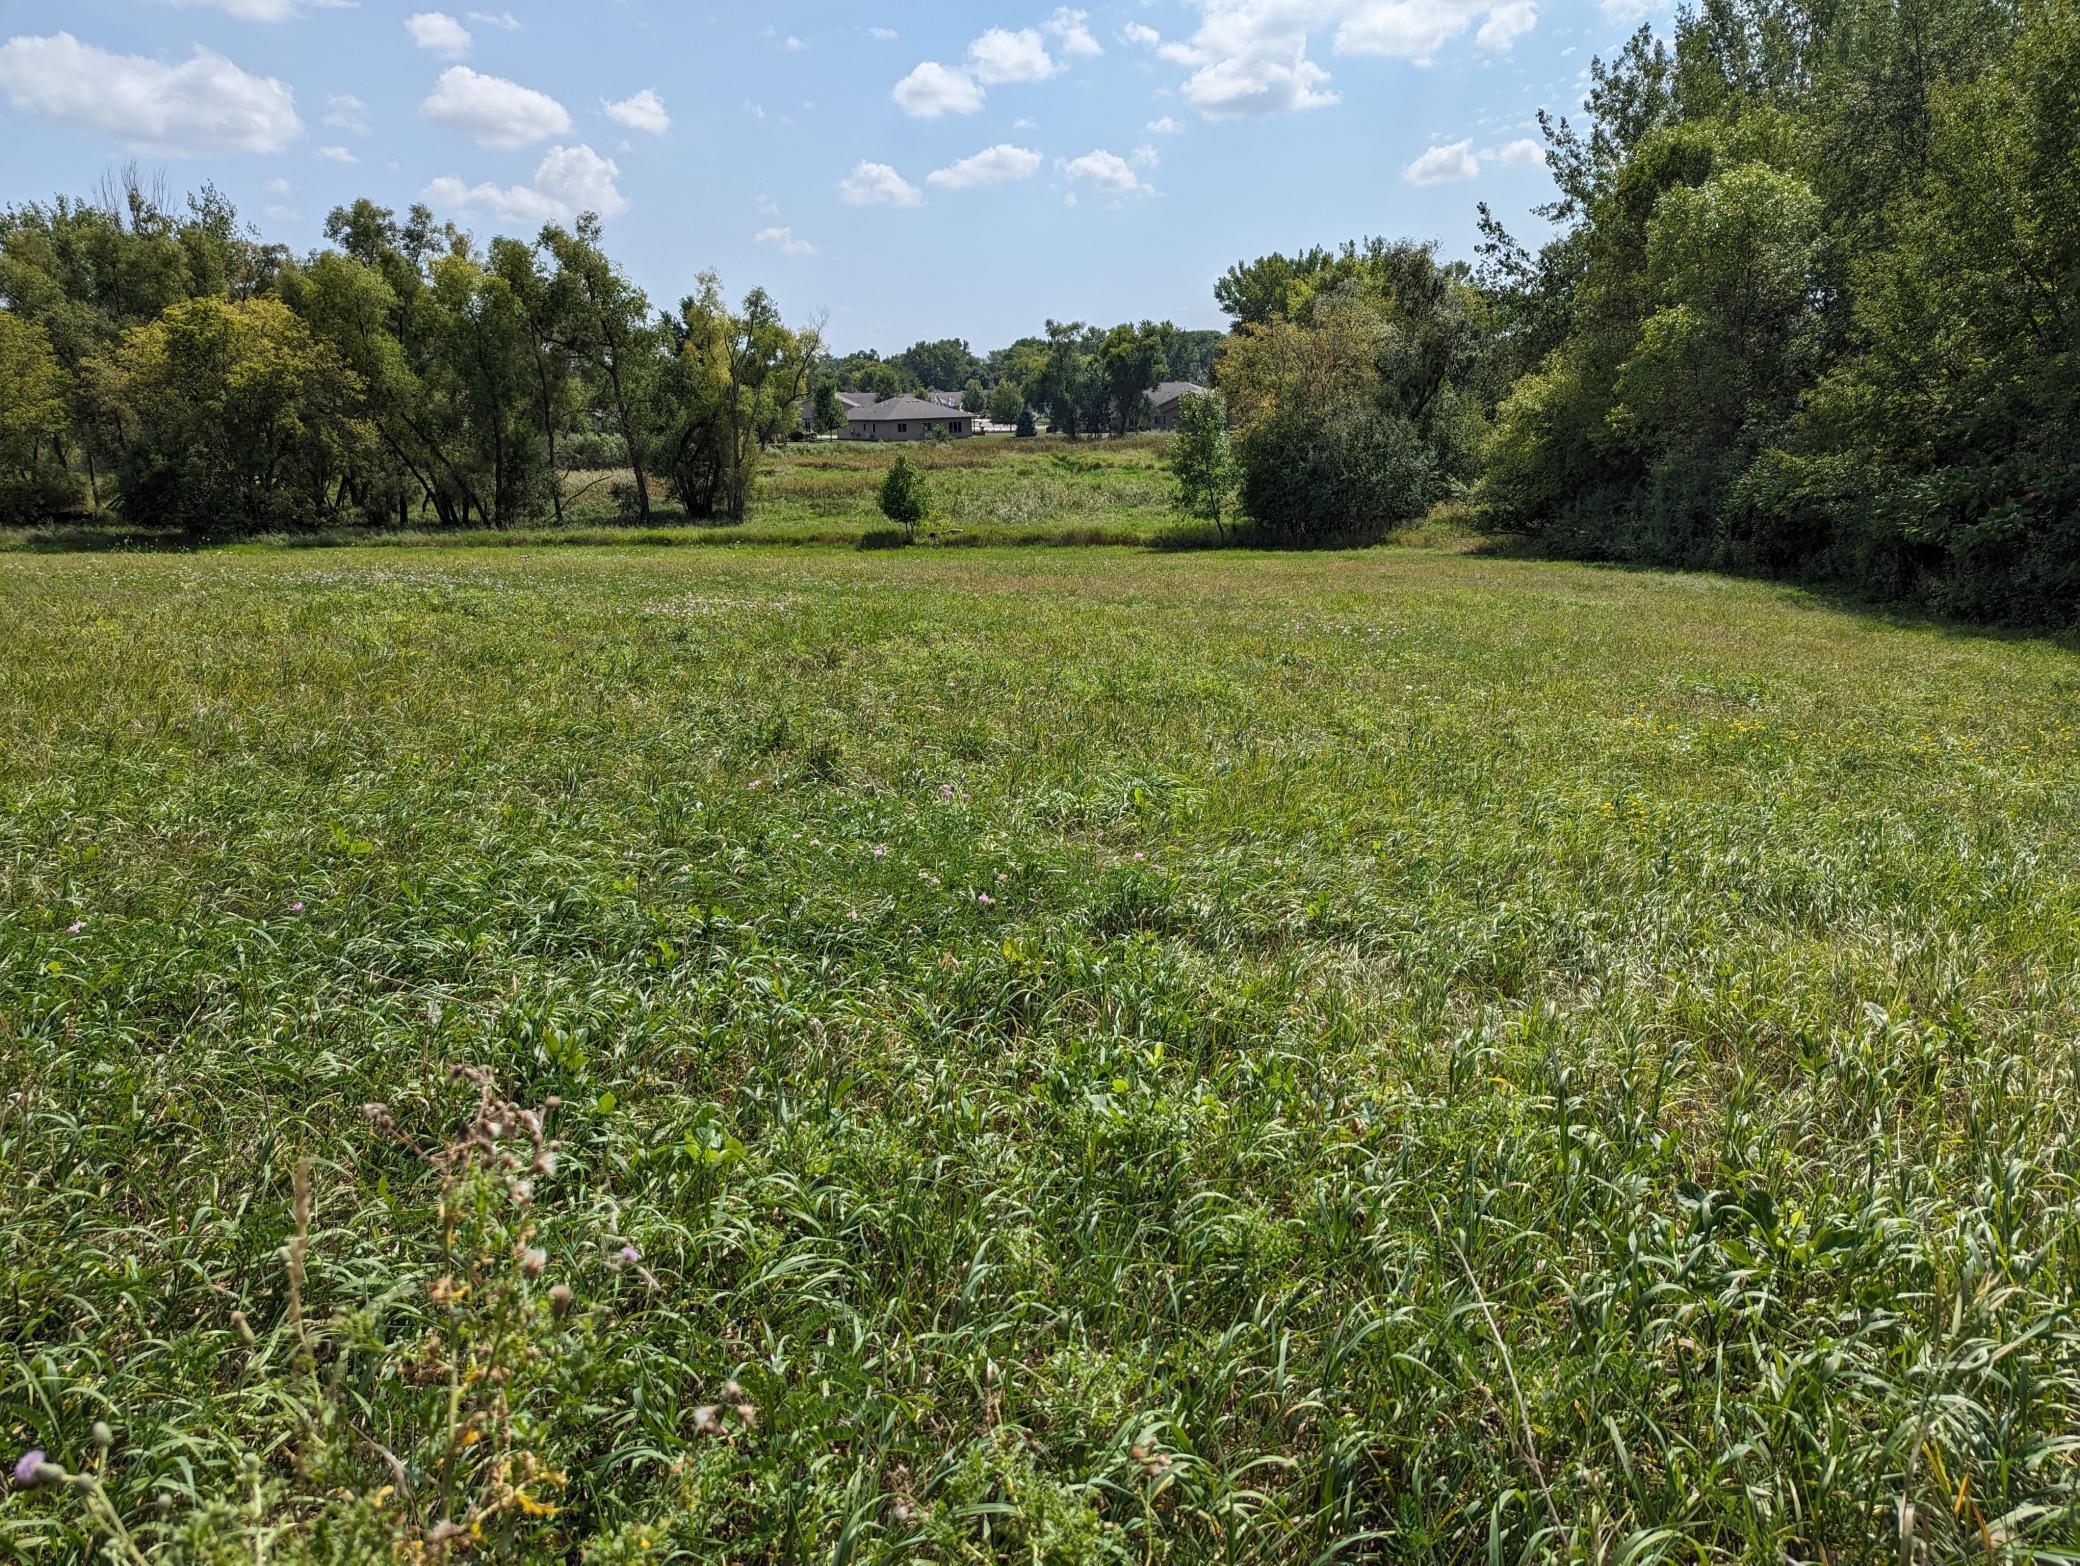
(919, 429)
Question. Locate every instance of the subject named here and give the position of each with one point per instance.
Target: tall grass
(1061, 1056)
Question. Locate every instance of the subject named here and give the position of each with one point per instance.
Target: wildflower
(880, 852)
(946, 791)
(296, 907)
(532, 1261)
(560, 1301)
(757, 783)
(75, 927)
(631, 1255)
(103, 1436)
(29, 1470)
(1139, 855)
(705, 1420)
(1002, 878)
(985, 899)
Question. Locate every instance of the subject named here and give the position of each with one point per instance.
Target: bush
(1349, 479)
(905, 497)
(1027, 429)
(593, 450)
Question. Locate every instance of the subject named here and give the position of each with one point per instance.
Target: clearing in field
(1053, 1055)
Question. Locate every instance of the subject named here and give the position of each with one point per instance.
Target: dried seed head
(243, 1327)
(747, 1415)
(103, 1436)
(532, 1261)
(706, 1420)
(732, 1391)
(560, 1301)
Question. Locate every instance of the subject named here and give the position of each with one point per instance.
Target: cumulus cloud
(493, 111)
(996, 165)
(1001, 55)
(783, 240)
(1452, 161)
(1253, 56)
(1141, 33)
(337, 155)
(643, 111)
(1072, 30)
(203, 106)
(878, 185)
(570, 180)
(438, 33)
(1109, 172)
(1165, 126)
(1506, 24)
(505, 21)
(1441, 165)
(932, 90)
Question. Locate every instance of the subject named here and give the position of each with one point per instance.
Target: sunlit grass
(1106, 1055)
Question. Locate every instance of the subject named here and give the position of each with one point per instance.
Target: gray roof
(1170, 391)
(907, 408)
(859, 399)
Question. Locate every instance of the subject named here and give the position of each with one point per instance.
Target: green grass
(1395, 1056)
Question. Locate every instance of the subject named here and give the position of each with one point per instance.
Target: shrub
(905, 497)
(1350, 479)
(1027, 429)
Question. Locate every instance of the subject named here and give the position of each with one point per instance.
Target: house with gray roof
(1165, 400)
(906, 418)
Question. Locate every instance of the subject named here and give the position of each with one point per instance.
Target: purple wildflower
(75, 927)
(631, 1255)
(296, 907)
(29, 1467)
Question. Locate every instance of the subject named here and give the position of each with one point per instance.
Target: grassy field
(1049, 1056)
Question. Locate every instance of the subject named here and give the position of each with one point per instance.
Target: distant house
(1166, 398)
(906, 418)
(851, 400)
(946, 399)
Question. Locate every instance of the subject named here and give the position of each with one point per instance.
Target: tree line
(171, 363)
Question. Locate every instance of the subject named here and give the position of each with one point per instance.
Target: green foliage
(240, 419)
(33, 421)
(1815, 307)
(905, 498)
(1026, 429)
(1006, 403)
(1203, 459)
(1346, 478)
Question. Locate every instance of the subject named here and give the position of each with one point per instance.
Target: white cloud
(1165, 126)
(1252, 56)
(1442, 165)
(1141, 33)
(878, 185)
(1072, 30)
(643, 111)
(783, 240)
(337, 155)
(1108, 171)
(996, 165)
(882, 34)
(570, 180)
(344, 111)
(932, 90)
(1458, 160)
(1506, 24)
(1001, 55)
(504, 20)
(438, 33)
(205, 105)
(279, 187)
(493, 111)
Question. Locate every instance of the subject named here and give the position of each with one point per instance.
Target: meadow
(1044, 1055)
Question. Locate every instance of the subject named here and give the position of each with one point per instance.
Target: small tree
(1027, 429)
(905, 497)
(1007, 400)
(1203, 459)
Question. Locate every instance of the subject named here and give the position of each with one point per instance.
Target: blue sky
(923, 170)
